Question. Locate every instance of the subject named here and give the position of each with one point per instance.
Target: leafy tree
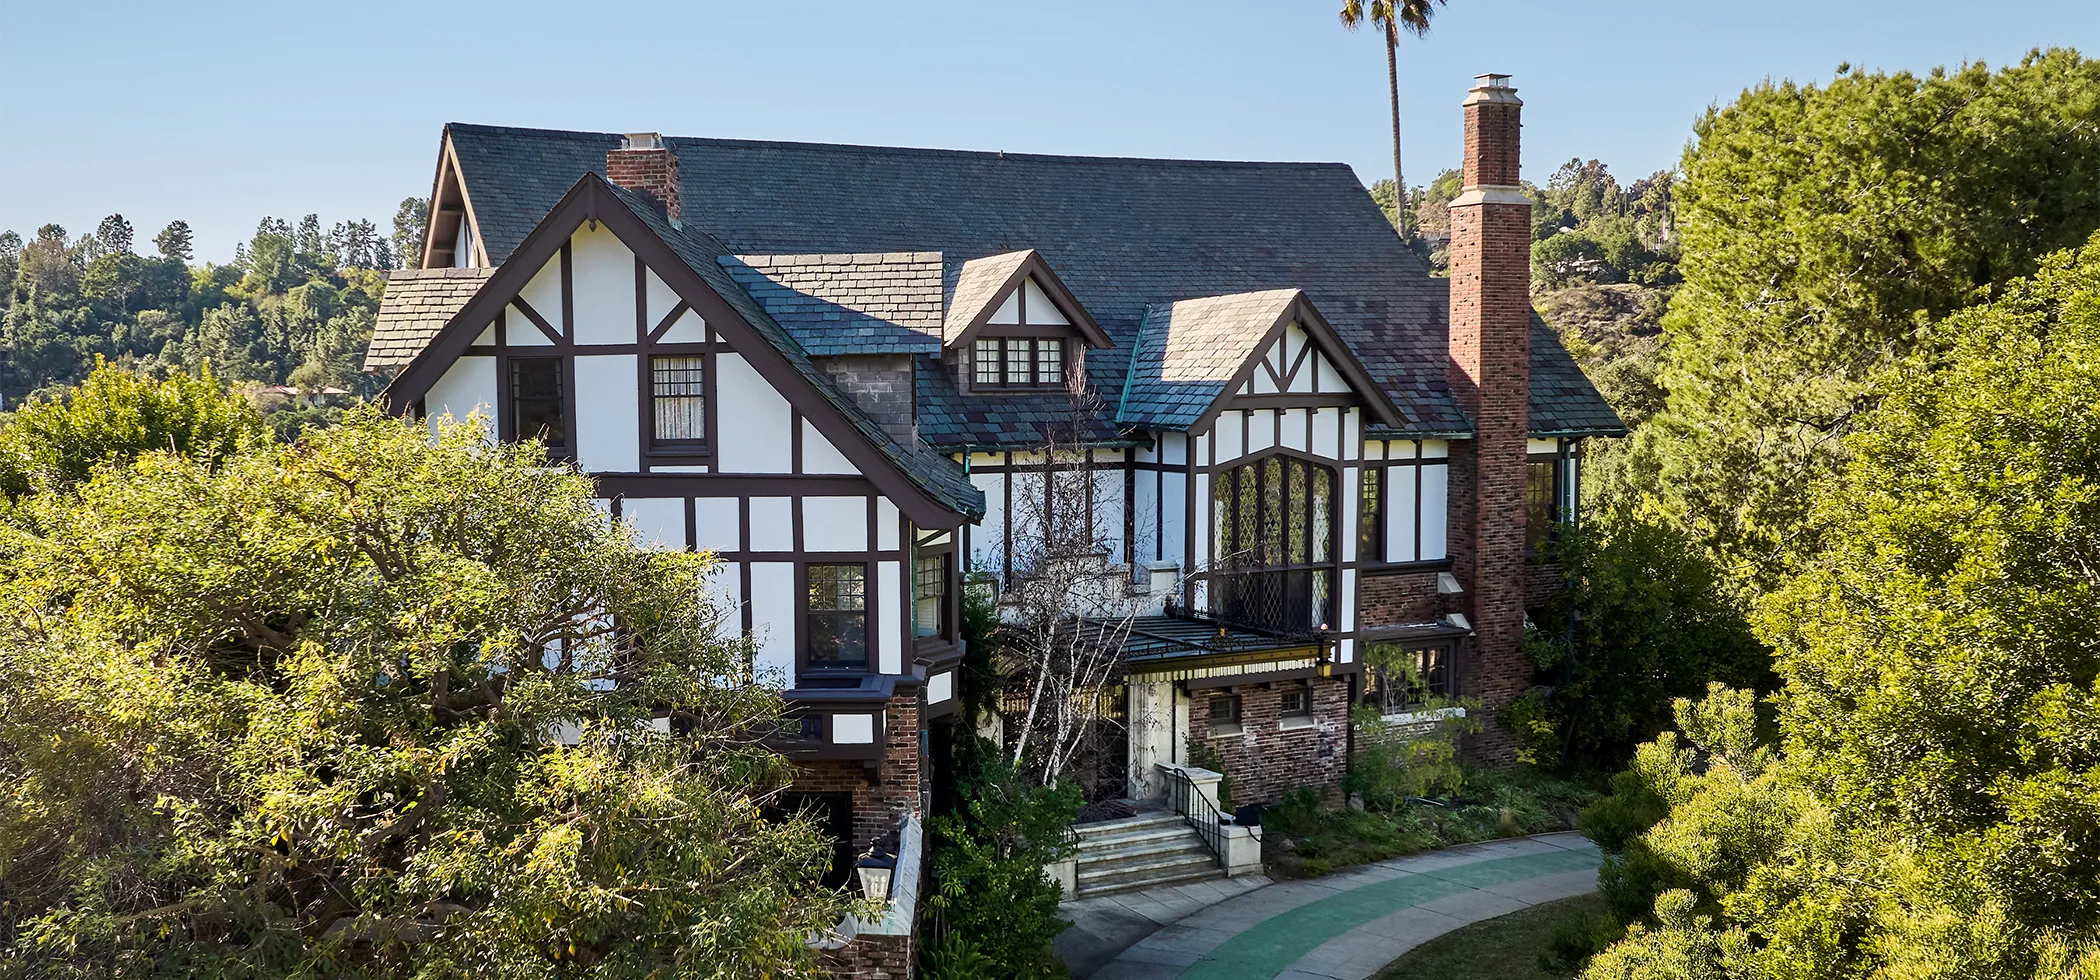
(1823, 227)
(1644, 620)
(173, 242)
(378, 705)
(1390, 17)
(1932, 807)
(410, 220)
(993, 907)
(117, 416)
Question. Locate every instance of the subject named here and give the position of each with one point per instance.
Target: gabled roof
(417, 303)
(1123, 235)
(931, 485)
(1191, 352)
(982, 284)
(855, 303)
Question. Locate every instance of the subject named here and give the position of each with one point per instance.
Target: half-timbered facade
(837, 367)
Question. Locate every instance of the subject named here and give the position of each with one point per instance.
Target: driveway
(1341, 927)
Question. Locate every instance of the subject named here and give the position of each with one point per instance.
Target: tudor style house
(835, 367)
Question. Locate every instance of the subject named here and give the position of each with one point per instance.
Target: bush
(993, 909)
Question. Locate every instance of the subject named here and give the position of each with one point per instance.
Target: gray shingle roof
(854, 303)
(1187, 350)
(1123, 234)
(417, 303)
(977, 283)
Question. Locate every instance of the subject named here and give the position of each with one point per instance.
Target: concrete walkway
(1346, 926)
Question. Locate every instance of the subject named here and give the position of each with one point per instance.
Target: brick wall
(879, 794)
(1265, 759)
(1398, 599)
(1490, 347)
(882, 386)
(646, 165)
(872, 958)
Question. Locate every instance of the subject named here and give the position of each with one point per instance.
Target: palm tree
(1390, 16)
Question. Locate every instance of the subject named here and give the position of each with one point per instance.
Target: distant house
(834, 367)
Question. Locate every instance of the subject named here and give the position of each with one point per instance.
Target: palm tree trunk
(1392, 78)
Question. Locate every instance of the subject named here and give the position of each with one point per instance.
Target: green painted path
(1347, 926)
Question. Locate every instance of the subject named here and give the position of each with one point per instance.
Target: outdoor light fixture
(876, 869)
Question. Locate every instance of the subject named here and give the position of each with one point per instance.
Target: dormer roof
(985, 286)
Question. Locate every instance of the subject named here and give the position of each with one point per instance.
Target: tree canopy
(1932, 803)
(373, 705)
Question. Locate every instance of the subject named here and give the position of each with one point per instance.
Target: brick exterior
(1489, 374)
(651, 170)
(1264, 759)
(1400, 599)
(879, 794)
(1542, 583)
(872, 958)
(881, 385)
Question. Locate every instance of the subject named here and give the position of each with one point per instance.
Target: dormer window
(1020, 362)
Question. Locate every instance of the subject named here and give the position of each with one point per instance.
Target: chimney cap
(1491, 80)
(1492, 87)
(642, 141)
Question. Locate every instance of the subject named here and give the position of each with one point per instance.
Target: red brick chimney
(643, 163)
(1490, 373)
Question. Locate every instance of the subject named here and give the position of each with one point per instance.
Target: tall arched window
(1274, 561)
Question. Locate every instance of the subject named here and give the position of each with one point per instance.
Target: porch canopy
(1205, 653)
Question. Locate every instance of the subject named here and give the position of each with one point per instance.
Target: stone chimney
(643, 163)
(1490, 373)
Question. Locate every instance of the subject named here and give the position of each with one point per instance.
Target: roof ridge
(578, 135)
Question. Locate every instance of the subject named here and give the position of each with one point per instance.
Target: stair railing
(1196, 807)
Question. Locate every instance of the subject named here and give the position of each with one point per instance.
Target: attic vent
(642, 141)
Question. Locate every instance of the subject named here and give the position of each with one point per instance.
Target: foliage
(1204, 755)
(296, 305)
(993, 902)
(1644, 620)
(1306, 838)
(1589, 229)
(979, 682)
(1929, 804)
(1399, 760)
(300, 711)
(1823, 228)
(116, 416)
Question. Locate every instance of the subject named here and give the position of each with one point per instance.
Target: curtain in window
(679, 395)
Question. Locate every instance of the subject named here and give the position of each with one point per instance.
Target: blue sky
(220, 113)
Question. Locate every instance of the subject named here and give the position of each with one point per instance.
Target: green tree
(992, 904)
(410, 221)
(378, 705)
(173, 242)
(1933, 808)
(1389, 17)
(1823, 227)
(116, 416)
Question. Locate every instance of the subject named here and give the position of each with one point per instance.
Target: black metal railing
(1197, 809)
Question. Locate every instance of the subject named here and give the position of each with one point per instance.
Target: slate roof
(940, 475)
(977, 283)
(1186, 351)
(854, 303)
(1123, 234)
(417, 303)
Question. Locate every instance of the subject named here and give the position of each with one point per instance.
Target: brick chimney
(643, 163)
(1490, 373)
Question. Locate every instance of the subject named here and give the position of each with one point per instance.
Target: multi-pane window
(1019, 362)
(1408, 677)
(1370, 523)
(835, 616)
(1296, 698)
(1274, 534)
(678, 398)
(929, 596)
(1541, 502)
(1224, 714)
(538, 409)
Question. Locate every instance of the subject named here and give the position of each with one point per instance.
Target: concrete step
(1141, 835)
(1142, 850)
(1155, 878)
(1143, 821)
(1165, 861)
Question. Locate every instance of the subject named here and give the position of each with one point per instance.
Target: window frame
(680, 451)
(1286, 717)
(1229, 527)
(704, 397)
(1371, 513)
(946, 631)
(1004, 360)
(1440, 679)
(805, 658)
(507, 398)
(1538, 534)
(1237, 713)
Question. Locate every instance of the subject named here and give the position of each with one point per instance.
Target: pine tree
(174, 240)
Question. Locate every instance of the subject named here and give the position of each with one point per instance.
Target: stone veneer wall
(882, 386)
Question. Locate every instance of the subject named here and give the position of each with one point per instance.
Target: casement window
(1224, 714)
(1542, 502)
(929, 597)
(538, 403)
(1295, 705)
(1370, 518)
(1019, 362)
(1409, 677)
(835, 616)
(678, 398)
(1274, 563)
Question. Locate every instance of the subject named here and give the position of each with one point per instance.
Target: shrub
(992, 901)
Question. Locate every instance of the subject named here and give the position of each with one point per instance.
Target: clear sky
(222, 112)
